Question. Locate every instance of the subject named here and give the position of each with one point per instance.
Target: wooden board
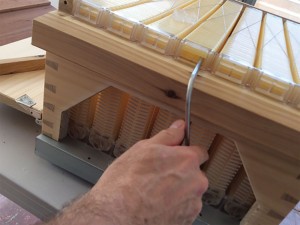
(21, 56)
(18, 24)
(285, 8)
(13, 5)
(15, 85)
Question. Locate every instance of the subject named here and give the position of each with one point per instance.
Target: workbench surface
(31, 182)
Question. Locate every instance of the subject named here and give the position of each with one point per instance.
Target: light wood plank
(274, 177)
(285, 8)
(15, 85)
(21, 56)
(13, 5)
(61, 93)
(261, 215)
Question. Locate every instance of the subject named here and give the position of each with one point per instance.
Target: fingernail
(177, 124)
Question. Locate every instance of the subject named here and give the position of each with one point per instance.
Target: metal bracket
(26, 103)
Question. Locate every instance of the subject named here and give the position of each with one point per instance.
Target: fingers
(171, 136)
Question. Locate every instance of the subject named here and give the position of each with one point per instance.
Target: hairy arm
(155, 182)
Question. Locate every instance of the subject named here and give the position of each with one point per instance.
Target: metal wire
(188, 103)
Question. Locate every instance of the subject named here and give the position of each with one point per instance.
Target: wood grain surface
(15, 85)
(17, 25)
(21, 56)
(13, 5)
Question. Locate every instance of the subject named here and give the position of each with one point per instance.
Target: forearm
(83, 211)
(155, 182)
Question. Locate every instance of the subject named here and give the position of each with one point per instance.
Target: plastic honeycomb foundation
(217, 27)
(111, 104)
(164, 35)
(221, 168)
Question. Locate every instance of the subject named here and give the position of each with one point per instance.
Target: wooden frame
(83, 60)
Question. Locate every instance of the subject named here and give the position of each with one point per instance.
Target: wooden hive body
(255, 128)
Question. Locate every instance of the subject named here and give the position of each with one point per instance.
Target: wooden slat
(274, 177)
(21, 56)
(61, 94)
(285, 8)
(13, 5)
(261, 215)
(15, 85)
(18, 24)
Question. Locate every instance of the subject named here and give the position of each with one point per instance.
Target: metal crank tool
(188, 100)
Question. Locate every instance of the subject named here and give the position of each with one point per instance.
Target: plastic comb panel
(128, 22)
(201, 136)
(240, 196)
(137, 124)
(276, 80)
(221, 168)
(96, 11)
(111, 104)
(164, 35)
(81, 117)
(292, 33)
(217, 27)
(237, 58)
(163, 120)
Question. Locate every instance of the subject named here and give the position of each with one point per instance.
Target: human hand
(155, 182)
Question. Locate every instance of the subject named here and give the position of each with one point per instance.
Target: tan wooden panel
(286, 8)
(21, 56)
(61, 93)
(274, 177)
(261, 215)
(15, 85)
(13, 5)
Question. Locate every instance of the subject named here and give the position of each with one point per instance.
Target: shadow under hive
(245, 107)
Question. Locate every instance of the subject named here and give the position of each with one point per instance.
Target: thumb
(171, 136)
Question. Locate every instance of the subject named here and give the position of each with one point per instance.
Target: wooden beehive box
(83, 61)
